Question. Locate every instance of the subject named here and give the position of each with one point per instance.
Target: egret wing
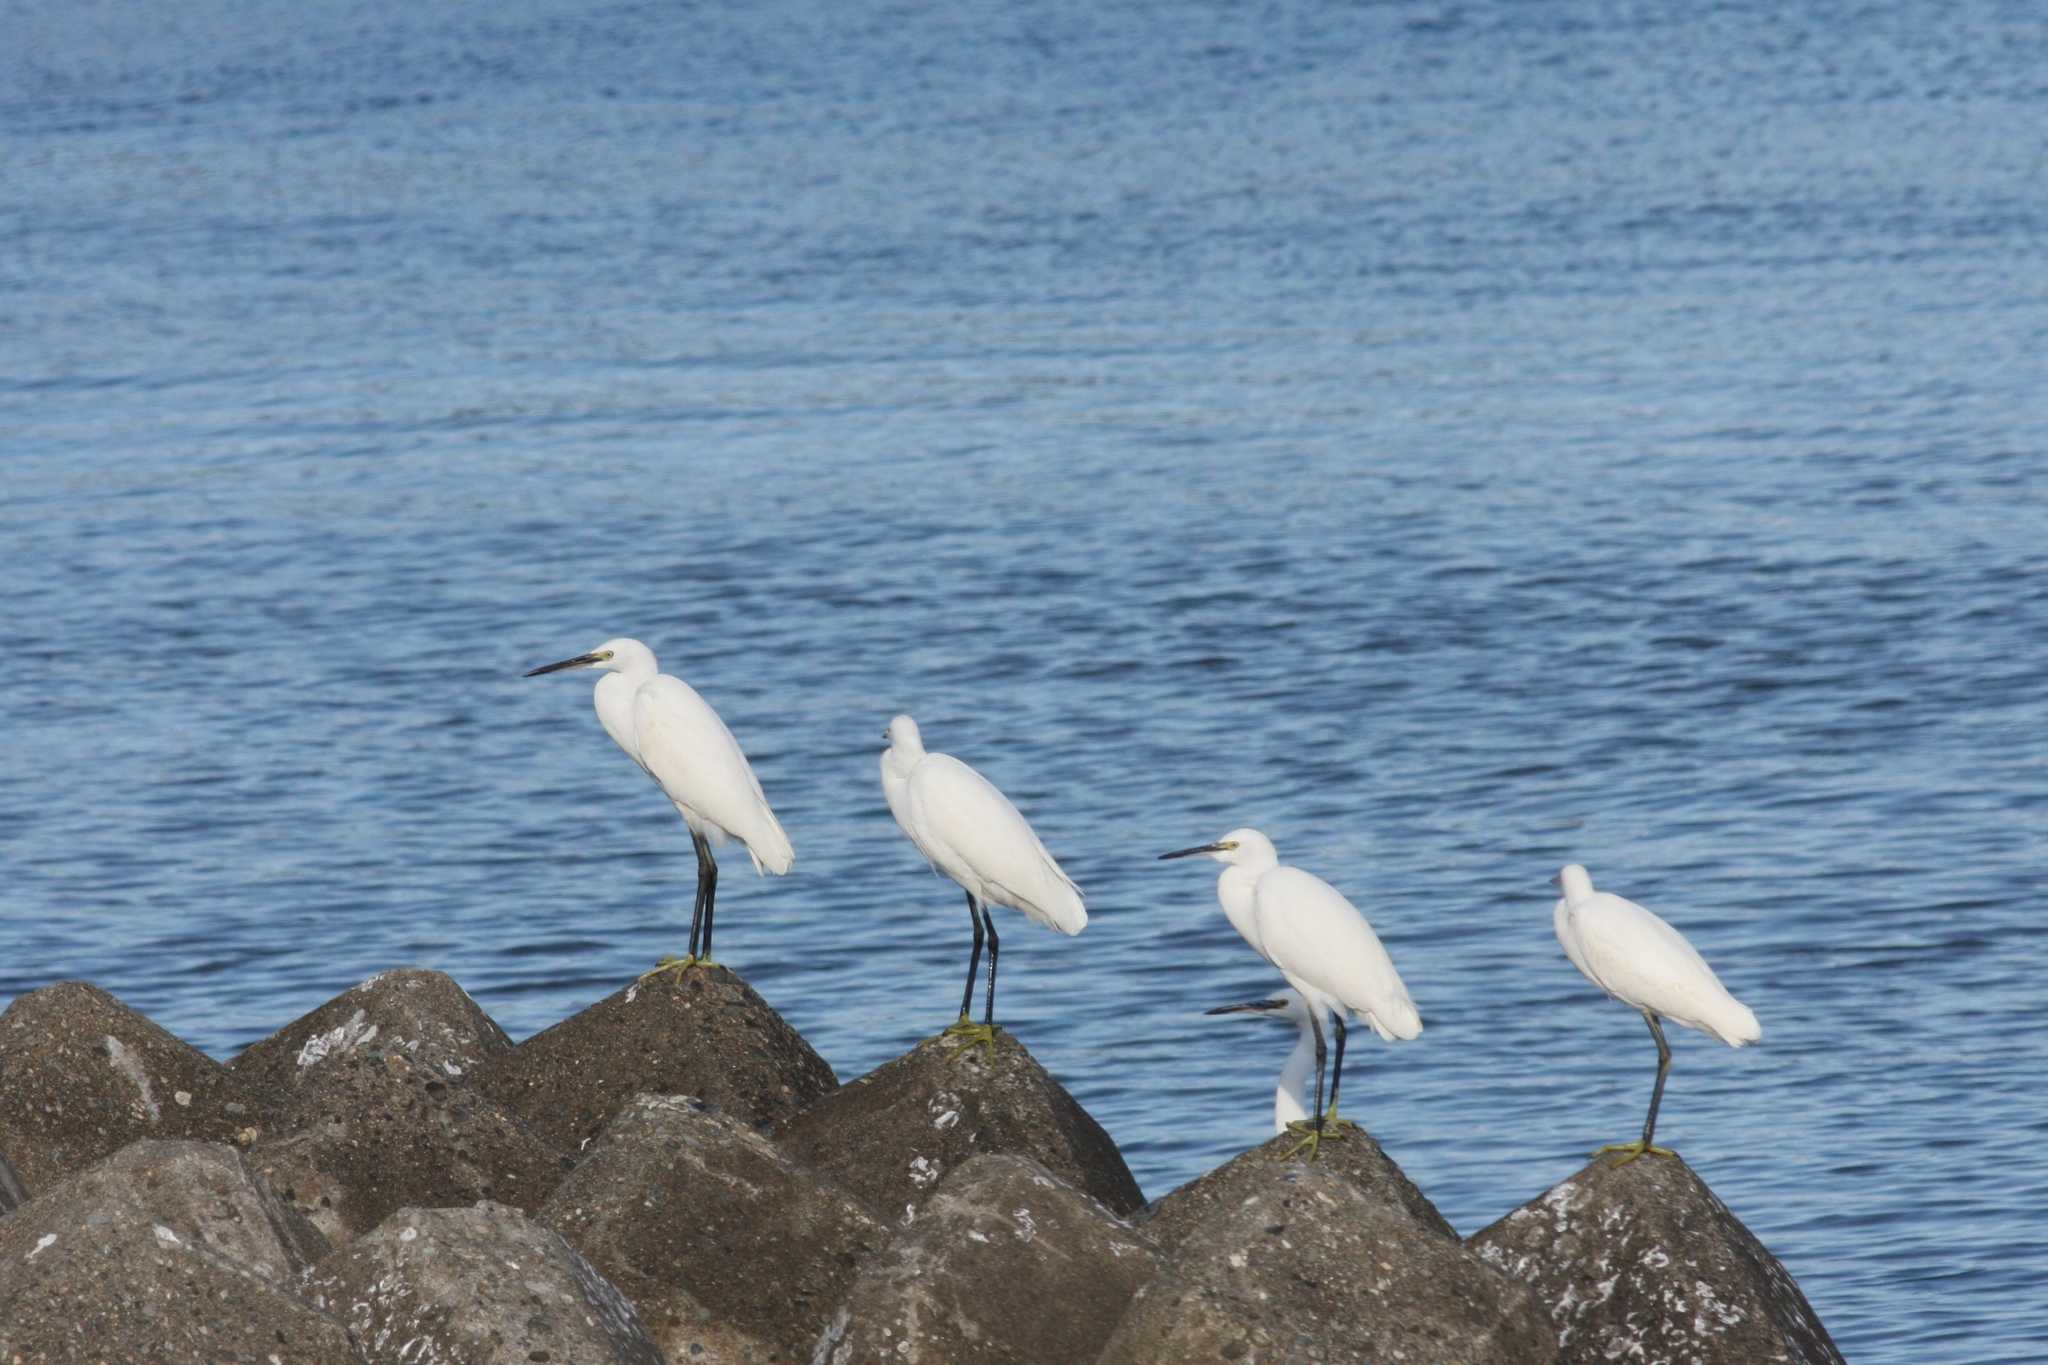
(965, 825)
(896, 790)
(1637, 958)
(1312, 933)
(1568, 938)
(699, 764)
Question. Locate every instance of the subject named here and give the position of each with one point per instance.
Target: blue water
(1456, 438)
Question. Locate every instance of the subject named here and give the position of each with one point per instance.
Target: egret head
(622, 655)
(903, 736)
(1239, 848)
(1575, 882)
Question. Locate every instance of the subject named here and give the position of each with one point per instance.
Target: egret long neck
(1576, 883)
(1237, 890)
(899, 758)
(1290, 1097)
(615, 709)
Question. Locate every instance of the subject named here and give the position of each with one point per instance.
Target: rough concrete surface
(724, 1243)
(1642, 1262)
(484, 1285)
(423, 1016)
(1003, 1265)
(708, 1035)
(368, 1132)
(894, 1133)
(1310, 1268)
(165, 1252)
(1355, 1156)
(86, 1076)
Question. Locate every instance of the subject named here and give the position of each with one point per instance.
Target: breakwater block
(1003, 1265)
(422, 1016)
(485, 1285)
(1642, 1261)
(367, 1133)
(708, 1034)
(394, 1181)
(731, 1250)
(1305, 1266)
(892, 1135)
(1355, 1156)
(84, 1076)
(376, 1109)
(165, 1251)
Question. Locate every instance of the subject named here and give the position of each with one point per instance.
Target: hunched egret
(969, 831)
(679, 741)
(1321, 944)
(1646, 964)
(1290, 1096)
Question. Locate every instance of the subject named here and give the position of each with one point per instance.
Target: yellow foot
(967, 1036)
(1313, 1140)
(675, 967)
(1634, 1150)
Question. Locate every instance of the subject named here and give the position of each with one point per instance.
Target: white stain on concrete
(343, 1038)
(130, 1065)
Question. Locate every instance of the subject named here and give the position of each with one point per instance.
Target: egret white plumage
(969, 831)
(1290, 1096)
(1321, 944)
(680, 742)
(1646, 964)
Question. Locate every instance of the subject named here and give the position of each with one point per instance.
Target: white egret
(1290, 1096)
(1321, 944)
(1646, 964)
(969, 831)
(679, 741)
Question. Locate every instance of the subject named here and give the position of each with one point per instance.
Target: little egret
(679, 741)
(1646, 964)
(1321, 944)
(969, 831)
(1290, 1096)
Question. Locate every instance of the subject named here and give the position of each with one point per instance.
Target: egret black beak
(1250, 1007)
(580, 661)
(1557, 880)
(1191, 852)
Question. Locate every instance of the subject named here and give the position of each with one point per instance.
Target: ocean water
(1456, 439)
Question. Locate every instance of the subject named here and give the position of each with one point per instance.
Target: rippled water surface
(1457, 439)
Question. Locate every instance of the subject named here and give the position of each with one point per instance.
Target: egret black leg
(1631, 1150)
(700, 918)
(1316, 1114)
(973, 960)
(707, 893)
(1314, 1140)
(697, 912)
(696, 905)
(988, 1013)
(1337, 1071)
(969, 1036)
(1663, 1068)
